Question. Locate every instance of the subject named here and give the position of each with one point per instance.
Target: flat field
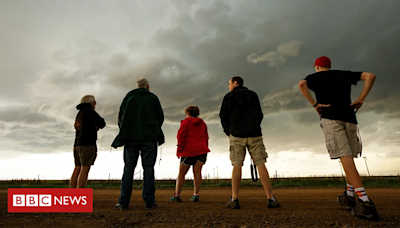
(301, 207)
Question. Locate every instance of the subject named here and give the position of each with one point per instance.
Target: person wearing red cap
(332, 89)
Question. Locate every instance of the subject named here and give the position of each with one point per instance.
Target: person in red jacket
(192, 149)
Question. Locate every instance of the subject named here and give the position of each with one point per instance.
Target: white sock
(350, 190)
(362, 195)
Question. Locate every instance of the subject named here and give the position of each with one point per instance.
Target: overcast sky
(54, 52)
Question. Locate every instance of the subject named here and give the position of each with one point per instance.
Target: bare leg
(266, 182)
(74, 178)
(83, 176)
(236, 178)
(183, 169)
(197, 176)
(350, 169)
(347, 181)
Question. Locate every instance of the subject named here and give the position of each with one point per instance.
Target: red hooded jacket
(192, 138)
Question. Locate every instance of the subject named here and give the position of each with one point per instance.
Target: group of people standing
(141, 117)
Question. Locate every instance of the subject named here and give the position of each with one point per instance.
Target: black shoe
(273, 203)
(175, 198)
(233, 204)
(151, 206)
(365, 210)
(121, 207)
(195, 198)
(347, 201)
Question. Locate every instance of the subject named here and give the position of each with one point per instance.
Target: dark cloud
(37, 140)
(306, 118)
(22, 114)
(119, 60)
(189, 50)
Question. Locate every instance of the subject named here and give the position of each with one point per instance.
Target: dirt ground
(300, 208)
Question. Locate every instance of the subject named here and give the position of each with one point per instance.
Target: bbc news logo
(50, 200)
(41, 200)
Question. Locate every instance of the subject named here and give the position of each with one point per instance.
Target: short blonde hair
(87, 99)
(142, 83)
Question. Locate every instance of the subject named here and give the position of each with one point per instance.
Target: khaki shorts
(341, 138)
(255, 146)
(85, 155)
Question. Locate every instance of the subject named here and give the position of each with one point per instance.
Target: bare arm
(369, 79)
(306, 92)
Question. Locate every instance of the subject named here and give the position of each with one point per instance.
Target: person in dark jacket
(241, 117)
(87, 123)
(192, 149)
(140, 119)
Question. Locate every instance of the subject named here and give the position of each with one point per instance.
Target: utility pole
(365, 159)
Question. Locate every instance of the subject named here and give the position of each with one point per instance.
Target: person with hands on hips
(332, 89)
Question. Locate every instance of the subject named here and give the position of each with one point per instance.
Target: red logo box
(50, 200)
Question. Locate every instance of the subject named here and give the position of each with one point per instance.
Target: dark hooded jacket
(87, 123)
(241, 113)
(192, 138)
(140, 118)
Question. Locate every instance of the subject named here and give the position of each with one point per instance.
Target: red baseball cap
(322, 61)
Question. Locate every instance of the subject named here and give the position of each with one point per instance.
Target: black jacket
(140, 118)
(241, 113)
(87, 124)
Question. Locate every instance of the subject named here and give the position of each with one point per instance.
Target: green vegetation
(303, 182)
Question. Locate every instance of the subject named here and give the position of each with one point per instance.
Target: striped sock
(362, 195)
(350, 190)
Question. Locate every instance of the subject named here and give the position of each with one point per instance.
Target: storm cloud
(188, 50)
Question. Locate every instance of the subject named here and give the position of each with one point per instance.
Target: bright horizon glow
(110, 166)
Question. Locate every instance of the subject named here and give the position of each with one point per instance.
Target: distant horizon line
(173, 179)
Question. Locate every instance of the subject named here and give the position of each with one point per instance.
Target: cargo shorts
(85, 155)
(341, 138)
(255, 146)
